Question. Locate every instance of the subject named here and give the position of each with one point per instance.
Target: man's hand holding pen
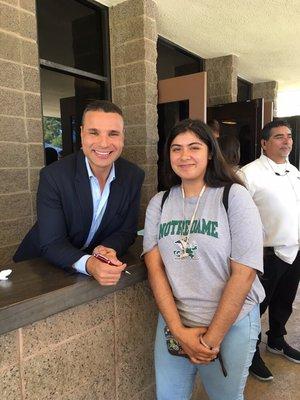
(106, 251)
(105, 267)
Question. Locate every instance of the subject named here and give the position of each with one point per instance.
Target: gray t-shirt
(197, 281)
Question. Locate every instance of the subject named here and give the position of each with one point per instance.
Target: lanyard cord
(278, 173)
(284, 174)
(186, 239)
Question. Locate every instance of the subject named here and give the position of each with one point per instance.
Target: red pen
(107, 261)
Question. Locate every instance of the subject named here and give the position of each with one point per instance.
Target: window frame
(44, 64)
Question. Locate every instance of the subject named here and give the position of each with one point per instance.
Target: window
(74, 62)
(174, 61)
(244, 90)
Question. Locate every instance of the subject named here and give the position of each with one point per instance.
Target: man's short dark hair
(266, 132)
(101, 105)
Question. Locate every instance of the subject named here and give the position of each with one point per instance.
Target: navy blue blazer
(65, 212)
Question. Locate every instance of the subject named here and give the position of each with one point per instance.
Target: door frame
(191, 87)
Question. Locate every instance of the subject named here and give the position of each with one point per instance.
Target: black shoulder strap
(226, 195)
(164, 198)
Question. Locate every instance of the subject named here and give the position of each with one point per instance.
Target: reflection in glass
(174, 61)
(71, 34)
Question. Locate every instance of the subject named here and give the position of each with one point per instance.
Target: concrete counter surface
(65, 337)
(37, 289)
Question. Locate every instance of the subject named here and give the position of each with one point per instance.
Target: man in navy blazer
(88, 201)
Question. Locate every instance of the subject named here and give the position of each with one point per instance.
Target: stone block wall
(133, 34)
(222, 73)
(21, 133)
(267, 91)
(100, 350)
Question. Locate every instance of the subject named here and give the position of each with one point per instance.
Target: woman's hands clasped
(189, 339)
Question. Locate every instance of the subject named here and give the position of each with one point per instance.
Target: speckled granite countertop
(37, 289)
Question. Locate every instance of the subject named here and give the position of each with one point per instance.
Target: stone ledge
(38, 289)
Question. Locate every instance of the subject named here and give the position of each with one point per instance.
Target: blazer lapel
(84, 195)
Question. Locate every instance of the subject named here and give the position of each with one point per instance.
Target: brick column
(267, 91)
(221, 80)
(21, 133)
(134, 83)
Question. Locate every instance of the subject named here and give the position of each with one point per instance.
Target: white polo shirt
(278, 200)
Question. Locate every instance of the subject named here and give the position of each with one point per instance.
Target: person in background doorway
(274, 185)
(202, 267)
(230, 148)
(215, 127)
(88, 202)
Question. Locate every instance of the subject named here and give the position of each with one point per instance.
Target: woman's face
(189, 157)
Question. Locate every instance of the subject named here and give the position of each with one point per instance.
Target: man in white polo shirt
(275, 187)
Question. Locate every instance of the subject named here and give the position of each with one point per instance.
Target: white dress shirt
(99, 206)
(275, 189)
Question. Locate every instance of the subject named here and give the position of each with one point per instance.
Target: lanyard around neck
(186, 240)
(278, 173)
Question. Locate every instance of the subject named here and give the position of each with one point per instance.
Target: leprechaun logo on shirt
(189, 250)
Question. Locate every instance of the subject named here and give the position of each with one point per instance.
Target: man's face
(102, 137)
(279, 144)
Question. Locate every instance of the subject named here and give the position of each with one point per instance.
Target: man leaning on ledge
(88, 202)
(274, 185)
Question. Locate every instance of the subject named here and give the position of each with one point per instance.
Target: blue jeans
(175, 376)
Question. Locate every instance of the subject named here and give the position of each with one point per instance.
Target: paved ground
(286, 382)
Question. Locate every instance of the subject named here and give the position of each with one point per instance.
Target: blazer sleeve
(124, 237)
(52, 228)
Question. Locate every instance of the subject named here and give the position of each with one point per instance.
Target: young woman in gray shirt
(202, 265)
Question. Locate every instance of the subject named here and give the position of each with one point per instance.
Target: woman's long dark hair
(218, 172)
(230, 148)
